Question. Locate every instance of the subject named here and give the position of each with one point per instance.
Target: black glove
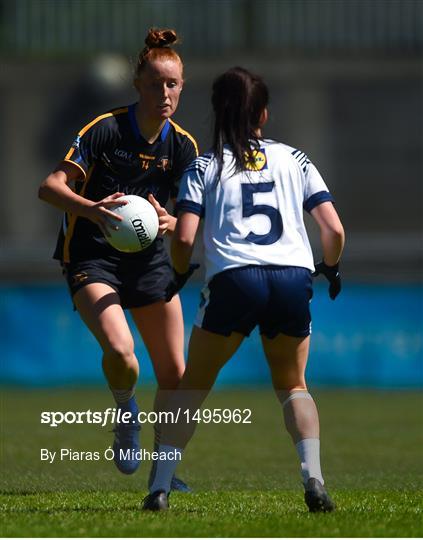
(331, 273)
(178, 281)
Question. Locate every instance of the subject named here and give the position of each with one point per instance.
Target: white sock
(297, 395)
(165, 468)
(309, 452)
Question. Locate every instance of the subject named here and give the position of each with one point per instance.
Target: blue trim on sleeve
(316, 199)
(302, 159)
(190, 206)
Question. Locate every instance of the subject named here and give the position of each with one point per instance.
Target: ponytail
(239, 99)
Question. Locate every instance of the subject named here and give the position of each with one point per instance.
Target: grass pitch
(246, 477)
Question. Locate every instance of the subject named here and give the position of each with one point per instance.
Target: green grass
(246, 477)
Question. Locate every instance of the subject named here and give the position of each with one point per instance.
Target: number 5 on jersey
(250, 209)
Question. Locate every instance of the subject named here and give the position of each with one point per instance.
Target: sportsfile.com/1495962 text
(113, 415)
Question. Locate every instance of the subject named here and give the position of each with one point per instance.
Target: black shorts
(136, 286)
(276, 298)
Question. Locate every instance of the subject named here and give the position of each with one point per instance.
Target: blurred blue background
(370, 336)
(346, 87)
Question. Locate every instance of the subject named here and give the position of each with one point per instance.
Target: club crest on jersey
(257, 161)
(164, 164)
(79, 278)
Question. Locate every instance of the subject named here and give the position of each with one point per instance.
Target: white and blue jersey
(254, 217)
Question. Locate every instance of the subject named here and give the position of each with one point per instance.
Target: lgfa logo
(123, 154)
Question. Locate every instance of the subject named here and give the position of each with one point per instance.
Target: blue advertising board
(370, 336)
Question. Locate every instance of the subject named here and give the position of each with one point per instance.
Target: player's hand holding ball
(164, 217)
(101, 214)
(137, 222)
(331, 273)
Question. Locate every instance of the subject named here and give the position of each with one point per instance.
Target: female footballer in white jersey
(251, 192)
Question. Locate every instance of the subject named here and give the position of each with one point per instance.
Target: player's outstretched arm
(183, 240)
(333, 238)
(56, 191)
(181, 250)
(332, 234)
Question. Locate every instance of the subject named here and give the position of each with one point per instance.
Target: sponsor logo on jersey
(257, 161)
(110, 183)
(142, 234)
(123, 154)
(145, 161)
(164, 164)
(76, 142)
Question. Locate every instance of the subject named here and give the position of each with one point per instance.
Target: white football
(139, 226)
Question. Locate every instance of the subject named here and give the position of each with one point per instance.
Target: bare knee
(169, 378)
(288, 381)
(120, 351)
(119, 355)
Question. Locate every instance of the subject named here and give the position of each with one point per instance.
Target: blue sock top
(130, 405)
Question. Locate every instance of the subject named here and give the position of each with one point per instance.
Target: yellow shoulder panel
(190, 137)
(87, 127)
(113, 113)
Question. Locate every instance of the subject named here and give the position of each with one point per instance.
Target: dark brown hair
(239, 99)
(158, 44)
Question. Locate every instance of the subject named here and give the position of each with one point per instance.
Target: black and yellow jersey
(114, 157)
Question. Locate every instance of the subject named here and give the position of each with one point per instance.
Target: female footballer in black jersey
(139, 150)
